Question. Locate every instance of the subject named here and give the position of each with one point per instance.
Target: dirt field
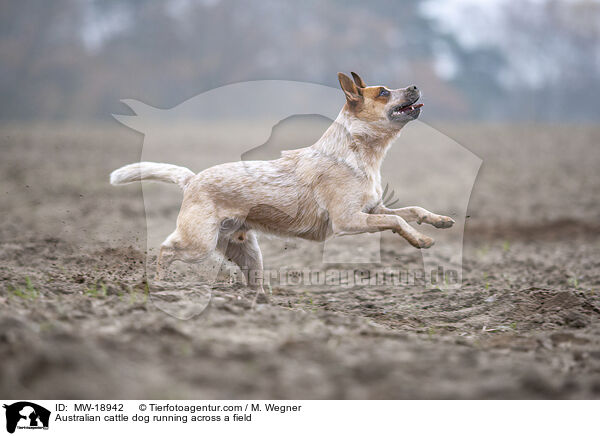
(76, 320)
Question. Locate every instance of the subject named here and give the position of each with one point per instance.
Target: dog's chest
(371, 196)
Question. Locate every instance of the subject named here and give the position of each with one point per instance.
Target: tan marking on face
(365, 102)
(373, 107)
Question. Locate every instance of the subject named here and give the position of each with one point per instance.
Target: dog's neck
(360, 144)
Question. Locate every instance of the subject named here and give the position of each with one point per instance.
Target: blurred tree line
(75, 59)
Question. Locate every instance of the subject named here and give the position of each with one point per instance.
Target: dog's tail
(160, 172)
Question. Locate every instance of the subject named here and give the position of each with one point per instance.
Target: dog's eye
(384, 92)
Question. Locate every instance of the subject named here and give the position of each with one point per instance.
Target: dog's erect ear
(358, 80)
(353, 95)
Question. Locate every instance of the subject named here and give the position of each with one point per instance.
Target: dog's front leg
(370, 223)
(419, 215)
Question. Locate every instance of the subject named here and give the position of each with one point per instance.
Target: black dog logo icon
(26, 415)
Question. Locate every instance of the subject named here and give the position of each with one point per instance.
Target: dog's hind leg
(242, 248)
(193, 241)
(165, 258)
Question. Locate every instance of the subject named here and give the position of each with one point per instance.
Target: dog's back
(278, 197)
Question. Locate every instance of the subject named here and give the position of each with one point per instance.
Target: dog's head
(393, 107)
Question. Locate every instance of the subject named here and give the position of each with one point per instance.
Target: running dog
(331, 188)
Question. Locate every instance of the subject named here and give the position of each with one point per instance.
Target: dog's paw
(416, 240)
(260, 298)
(420, 241)
(425, 241)
(441, 222)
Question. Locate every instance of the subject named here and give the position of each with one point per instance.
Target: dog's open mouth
(406, 112)
(398, 110)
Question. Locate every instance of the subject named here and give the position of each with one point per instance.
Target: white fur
(160, 172)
